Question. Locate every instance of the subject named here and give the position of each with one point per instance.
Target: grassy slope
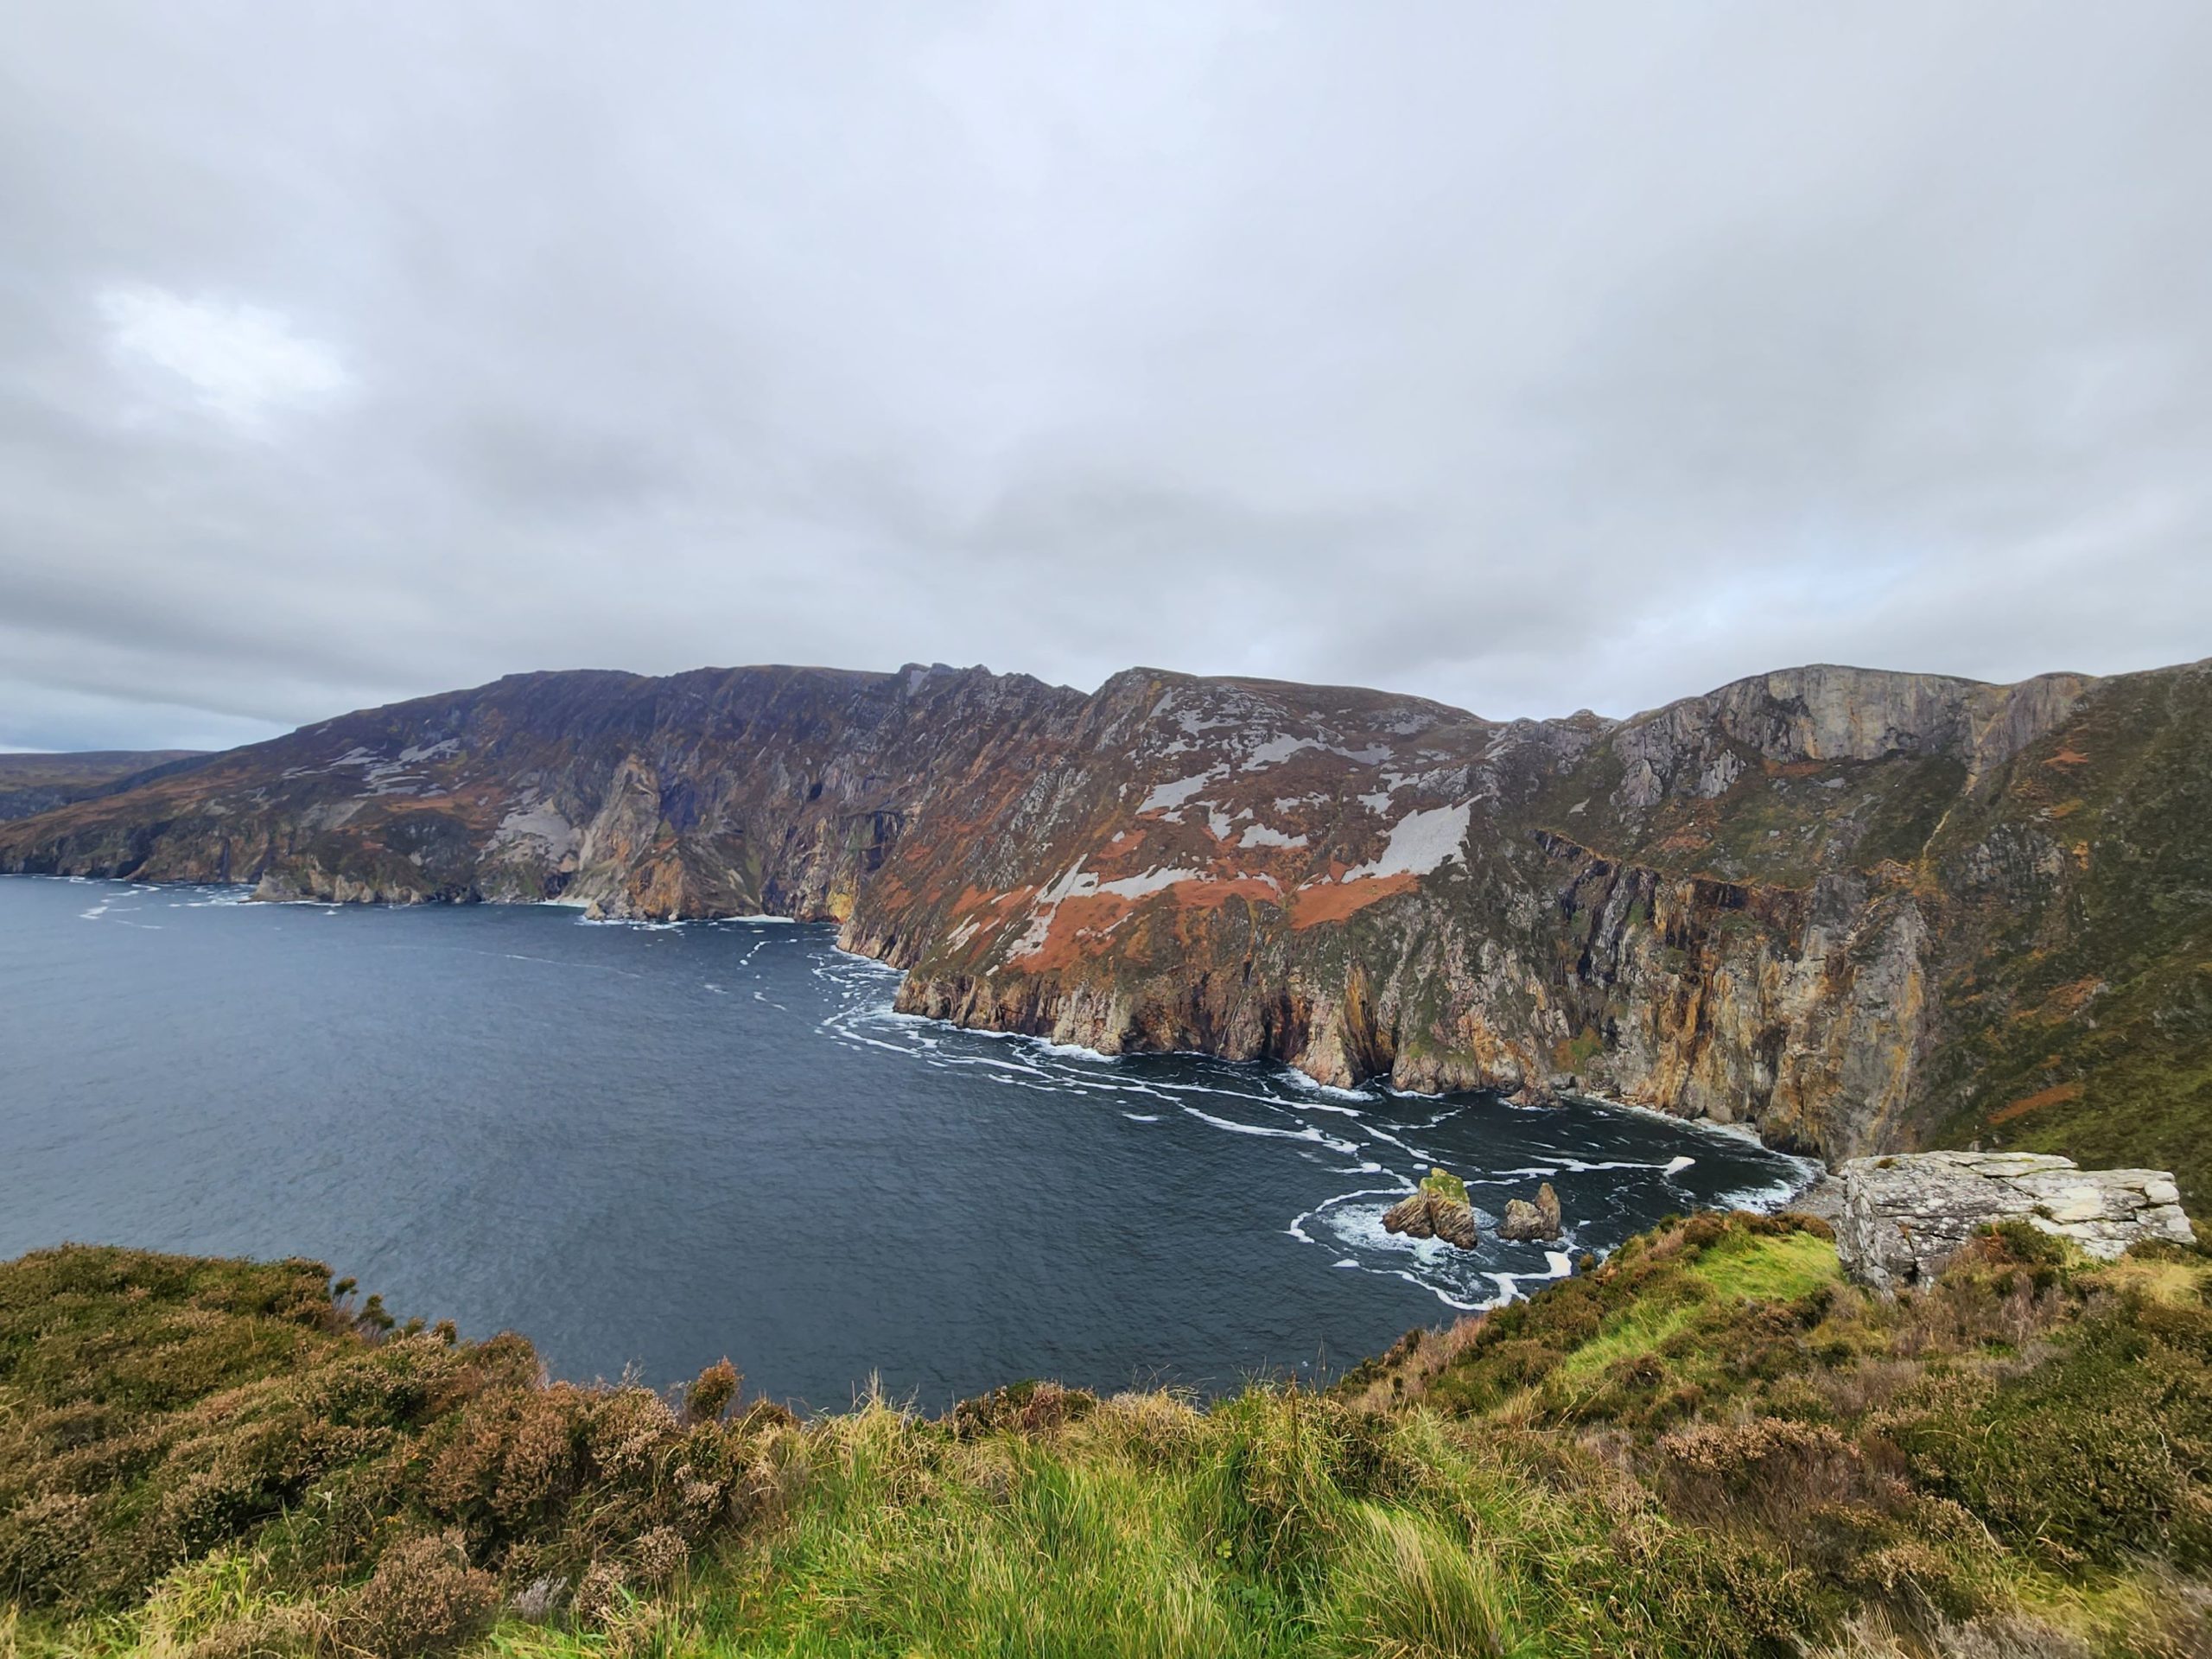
(2087, 1022)
(1708, 1446)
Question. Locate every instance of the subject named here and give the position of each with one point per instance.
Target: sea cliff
(1855, 911)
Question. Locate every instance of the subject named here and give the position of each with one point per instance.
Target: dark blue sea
(646, 1148)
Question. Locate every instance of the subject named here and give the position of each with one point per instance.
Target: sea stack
(1438, 1208)
(1527, 1221)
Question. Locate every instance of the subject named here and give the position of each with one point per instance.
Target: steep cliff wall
(1812, 901)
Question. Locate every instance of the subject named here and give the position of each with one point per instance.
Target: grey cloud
(1525, 360)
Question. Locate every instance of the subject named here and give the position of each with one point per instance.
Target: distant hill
(1854, 910)
(31, 783)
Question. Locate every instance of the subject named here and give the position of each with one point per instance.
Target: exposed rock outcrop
(1539, 1221)
(1426, 1216)
(1438, 1208)
(1905, 1217)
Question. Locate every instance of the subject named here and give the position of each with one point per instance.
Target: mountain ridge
(32, 782)
(1856, 909)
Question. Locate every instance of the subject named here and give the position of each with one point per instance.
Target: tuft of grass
(1406, 1587)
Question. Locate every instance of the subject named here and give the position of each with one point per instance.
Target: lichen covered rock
(1904, 1216)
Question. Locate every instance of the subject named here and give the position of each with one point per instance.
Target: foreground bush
(1709, 1445)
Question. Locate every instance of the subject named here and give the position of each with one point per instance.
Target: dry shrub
(2178, 1625)
(1028, 1407)
(1871, 1634)
(781, 1463)
(711, 1392)
(1868, 1386)
(423, 1598)
(2007, 1635)
(1772, 1464)
(601, 1593)
(625, 1430)
(536, 1602)
(659, 1555)
(42, 1545)
(1706, 1593)
(510, 1458)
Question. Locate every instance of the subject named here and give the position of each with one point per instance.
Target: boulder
(1438, 1208)
(1540, 1220)
(1521, 1221)
(1904, 1216)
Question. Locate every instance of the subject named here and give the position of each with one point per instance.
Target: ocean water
(647, 1148)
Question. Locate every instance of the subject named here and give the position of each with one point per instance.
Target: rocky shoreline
(1853, 911)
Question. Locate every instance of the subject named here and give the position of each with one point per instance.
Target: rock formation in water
(1438, 1208)
(1533, 1222)
(1905, 1217)
(1855, 911)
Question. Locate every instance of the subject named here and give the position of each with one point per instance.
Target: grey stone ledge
(1905, 1215)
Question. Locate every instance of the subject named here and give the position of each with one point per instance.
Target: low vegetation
(1709, 1445)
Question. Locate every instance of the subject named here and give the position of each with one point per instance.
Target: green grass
(1748, 1266)
(1708, 1446)
(1443, 1184)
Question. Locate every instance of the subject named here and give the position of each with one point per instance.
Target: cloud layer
(1524, 358)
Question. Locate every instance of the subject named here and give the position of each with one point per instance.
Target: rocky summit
(1858, 912)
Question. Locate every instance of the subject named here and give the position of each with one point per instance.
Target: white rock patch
(1273, 752)
(541, 824)
(1421, 842)
(1165, 795)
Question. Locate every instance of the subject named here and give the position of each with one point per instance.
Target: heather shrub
(2103, 1450)
(711, 1394)
(423, 1598)
(1026, 1407)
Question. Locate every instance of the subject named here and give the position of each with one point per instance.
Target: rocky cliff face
(1825, 902)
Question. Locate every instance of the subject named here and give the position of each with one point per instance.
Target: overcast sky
(1525, 357)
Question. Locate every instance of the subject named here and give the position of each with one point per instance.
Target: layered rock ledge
(1904, 1216)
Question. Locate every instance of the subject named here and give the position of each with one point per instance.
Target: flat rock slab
(1904, 1216)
